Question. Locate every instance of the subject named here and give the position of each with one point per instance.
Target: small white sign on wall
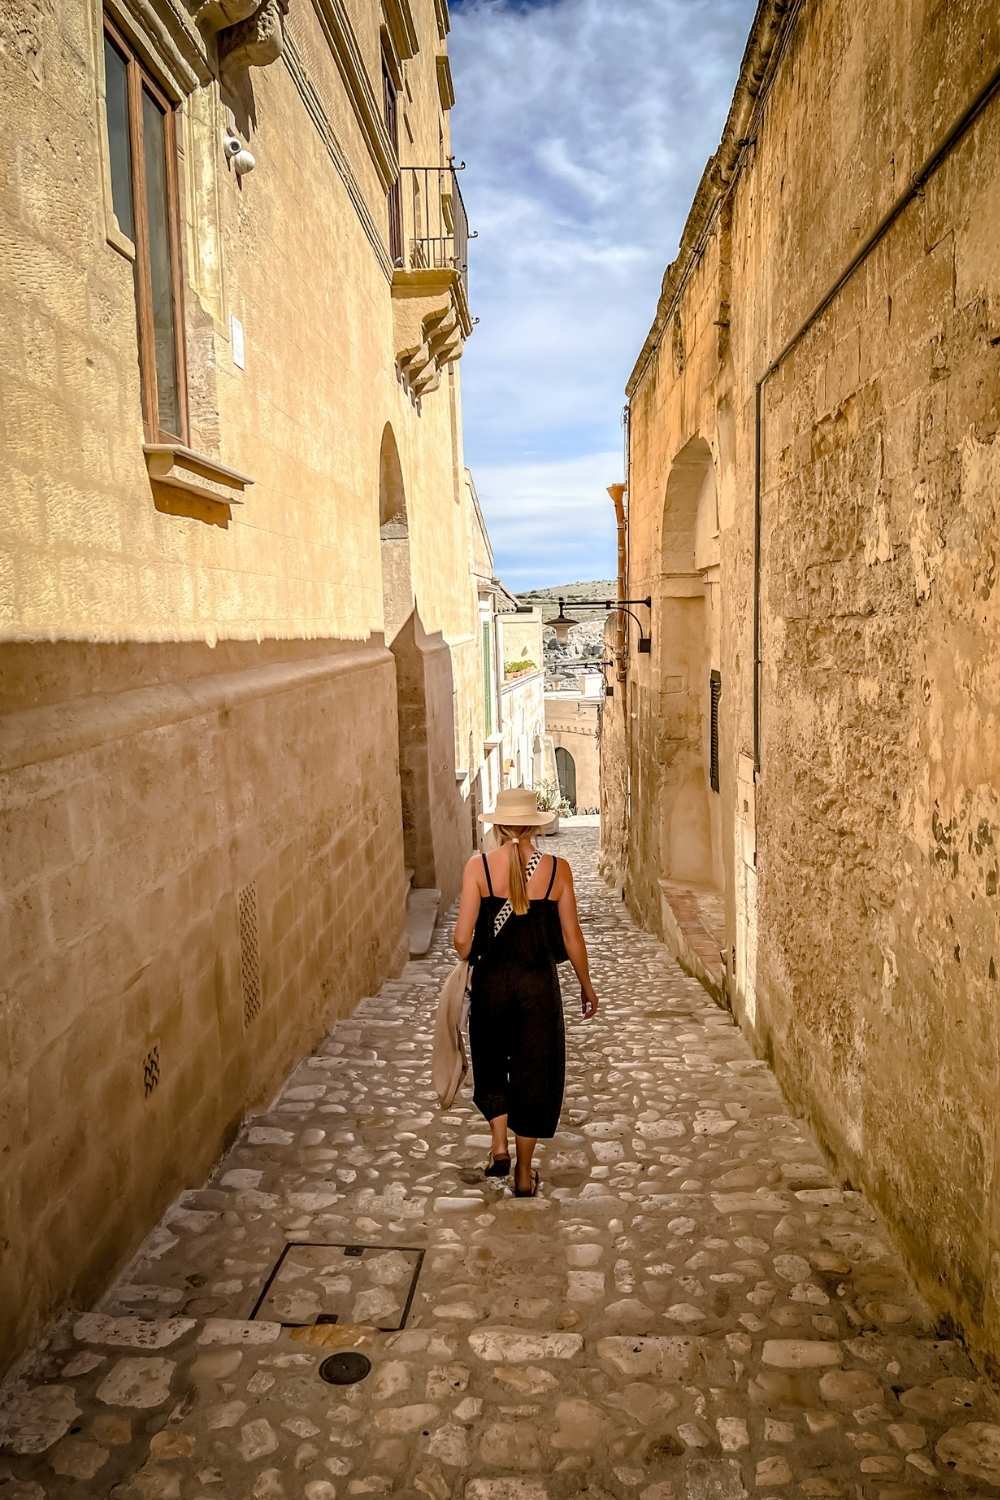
(239, 345)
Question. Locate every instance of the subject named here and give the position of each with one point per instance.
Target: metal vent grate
(314, 1283)
(715, 692)
(151, 1070)
(249, 953)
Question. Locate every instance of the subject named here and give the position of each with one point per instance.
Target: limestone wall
(189, 902)
(574, 723)
(521, 639)
(203, 855)
(613, 787)
(859, 865)
(522, 725)
(87, 554)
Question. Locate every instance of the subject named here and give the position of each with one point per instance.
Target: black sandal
(497, 1166)
(528, 1192)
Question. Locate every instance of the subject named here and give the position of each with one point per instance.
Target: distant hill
(600, 588)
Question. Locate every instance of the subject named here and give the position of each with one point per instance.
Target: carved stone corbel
(255, 41)
(215, 15)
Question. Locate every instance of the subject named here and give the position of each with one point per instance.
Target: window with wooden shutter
(142, 150)
(715, 693)
(390, 112)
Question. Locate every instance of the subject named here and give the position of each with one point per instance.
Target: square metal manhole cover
(341, 1284)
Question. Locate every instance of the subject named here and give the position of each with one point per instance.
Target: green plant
(551, 799)
(520, 667)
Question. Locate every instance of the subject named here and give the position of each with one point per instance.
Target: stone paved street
(692, 1310)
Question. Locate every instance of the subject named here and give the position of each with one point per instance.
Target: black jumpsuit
(516, 1032)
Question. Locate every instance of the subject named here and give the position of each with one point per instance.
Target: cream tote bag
(449, 1063)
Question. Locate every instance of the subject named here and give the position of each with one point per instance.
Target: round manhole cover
(345, 1369)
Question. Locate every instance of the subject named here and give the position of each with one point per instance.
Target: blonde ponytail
(517, 886)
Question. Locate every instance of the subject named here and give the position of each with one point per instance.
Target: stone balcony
(430, 294)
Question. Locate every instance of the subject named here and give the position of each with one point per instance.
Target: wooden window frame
(138, 77)
(394, 200)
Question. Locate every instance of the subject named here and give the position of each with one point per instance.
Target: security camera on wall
(239, 157)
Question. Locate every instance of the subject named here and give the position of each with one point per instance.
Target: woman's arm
(576, 948)
(468, 908)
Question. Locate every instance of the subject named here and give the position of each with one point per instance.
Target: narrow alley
(692, 1310)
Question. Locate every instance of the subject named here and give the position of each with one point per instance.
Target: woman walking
(517, 920)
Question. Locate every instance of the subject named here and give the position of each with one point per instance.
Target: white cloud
(586, 125)
(555, 155)
(551, 519)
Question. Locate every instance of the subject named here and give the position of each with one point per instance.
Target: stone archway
(394, 534)
(401, 631)
(435, 831)
(690, 682)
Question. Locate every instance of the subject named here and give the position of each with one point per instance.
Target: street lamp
(562, 622)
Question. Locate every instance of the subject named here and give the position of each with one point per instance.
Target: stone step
(421, 915)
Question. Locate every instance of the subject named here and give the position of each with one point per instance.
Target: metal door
(566, 771)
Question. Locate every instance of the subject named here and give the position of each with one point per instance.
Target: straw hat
(517, 807)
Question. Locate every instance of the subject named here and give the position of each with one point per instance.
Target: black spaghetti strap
(552, 877)
(486, 867)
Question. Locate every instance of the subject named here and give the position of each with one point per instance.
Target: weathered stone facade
(832, 325)
(522, 711)
(522, 692)
(238, 670)
(573, 723)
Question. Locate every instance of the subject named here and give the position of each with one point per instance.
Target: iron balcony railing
(429, 228)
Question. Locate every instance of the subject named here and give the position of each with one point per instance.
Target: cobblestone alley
(692, 1310)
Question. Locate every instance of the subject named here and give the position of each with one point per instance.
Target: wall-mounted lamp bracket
(562, 622)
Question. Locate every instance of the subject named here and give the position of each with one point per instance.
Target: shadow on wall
(202, 851)
(436, 834)
(690, 828)
(253, 41)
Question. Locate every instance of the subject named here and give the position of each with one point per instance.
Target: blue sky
(586, 125)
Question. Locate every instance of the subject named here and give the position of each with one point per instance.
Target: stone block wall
(198, 877)
(879, 802)
(575, 724)
(198, 720)
(653, 727)
(437, 826)
(859, 861)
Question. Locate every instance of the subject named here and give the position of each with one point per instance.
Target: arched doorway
(394, 532)
(566, 771)
(690, 671)
(402, 636)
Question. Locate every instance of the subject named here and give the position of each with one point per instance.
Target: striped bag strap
(506, 911)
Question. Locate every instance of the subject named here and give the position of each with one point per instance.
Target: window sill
(177, 467)
(120, 241)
